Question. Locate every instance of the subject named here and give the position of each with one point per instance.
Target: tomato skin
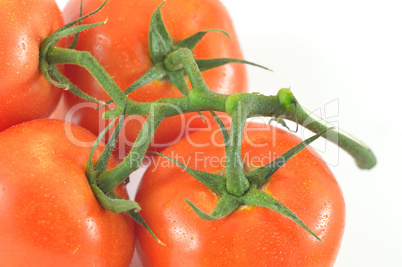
(24, 91)
(121, 46)
(251, 236)
(50, 216)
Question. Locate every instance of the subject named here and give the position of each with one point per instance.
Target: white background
(342, 58)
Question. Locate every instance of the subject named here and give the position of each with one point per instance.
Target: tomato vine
(174, 61)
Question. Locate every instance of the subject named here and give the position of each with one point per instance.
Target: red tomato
(250, 236)
(49, 215)
(25, 94)
(121, 46)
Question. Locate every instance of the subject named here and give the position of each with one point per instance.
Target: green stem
(110, 179)
(165, 108)
(236, 183)
(57, 55)
(183, 58)
(252, 105)
(363, 156)
(195, 101)
(201, 98)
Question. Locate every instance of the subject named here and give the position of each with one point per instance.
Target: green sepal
(201, 116)
(45, 70)
(157, 72)
(71, 24)
(224, 129)
(207, 64)
(103, 160)
(281, 122)
(178, 80)
(213, 181)
(74, 42)
(137, 217)
(50, 41)
(91, 173)
(226, 205)
(67, 85)
(159, 40)
(191, 41)
(256, 197)
(116, 205)
(261, 175)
